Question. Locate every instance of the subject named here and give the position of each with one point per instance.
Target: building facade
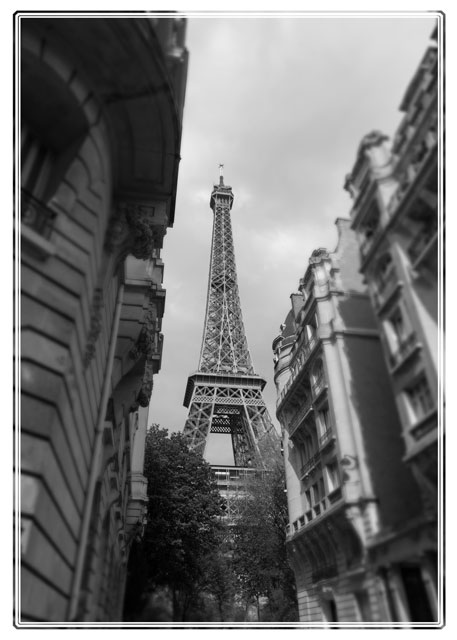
(395, 215)
(357, 377)
(341, 438)
(101, 104)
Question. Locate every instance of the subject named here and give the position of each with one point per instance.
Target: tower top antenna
(221, 174)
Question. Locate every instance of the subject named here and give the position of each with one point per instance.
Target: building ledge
(35, 244)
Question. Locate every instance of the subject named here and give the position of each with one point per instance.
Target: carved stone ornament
(148, 339)
(134, 230)
(144, 395)
(372, 139)
(318, 255)
(148, 344)
(350, 187)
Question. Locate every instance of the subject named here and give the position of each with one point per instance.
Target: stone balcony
(315, 512)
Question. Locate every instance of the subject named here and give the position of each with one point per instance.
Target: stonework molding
(372, 139)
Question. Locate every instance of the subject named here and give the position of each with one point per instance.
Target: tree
(259, 551)
(184, 525)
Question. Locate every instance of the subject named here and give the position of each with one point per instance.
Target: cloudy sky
(283, 102)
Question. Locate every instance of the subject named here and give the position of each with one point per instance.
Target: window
(36, 163)
(308, 499)
(333, 476)
(36, 166)
(324, 421)
(385, 272)
(397, 328)
(310, 331)
(318, 377)
(397, 322)
(53, 126)
(420, 401)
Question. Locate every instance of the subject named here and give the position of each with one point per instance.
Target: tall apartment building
(395, 216)
(101, 103)
(357, 378)
(342, 440)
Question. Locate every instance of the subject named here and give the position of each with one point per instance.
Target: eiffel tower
(225, 394)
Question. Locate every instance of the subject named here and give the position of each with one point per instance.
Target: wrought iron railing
(299, 415)
(312, 462)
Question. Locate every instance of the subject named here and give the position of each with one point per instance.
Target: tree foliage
(183, 527)
(259, 551)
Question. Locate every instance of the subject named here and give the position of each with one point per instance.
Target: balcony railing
(297, 365)
(405, 349)
(312, 462)
(36, 215)
(299, 415)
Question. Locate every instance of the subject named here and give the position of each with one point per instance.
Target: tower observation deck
(225, 395)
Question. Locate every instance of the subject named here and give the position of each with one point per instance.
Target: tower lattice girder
(225, 395)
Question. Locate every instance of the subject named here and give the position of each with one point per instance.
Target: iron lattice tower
(225, 394)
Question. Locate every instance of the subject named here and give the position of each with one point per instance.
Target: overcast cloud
(283, 103)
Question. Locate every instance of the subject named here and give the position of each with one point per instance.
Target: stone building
(341, 438)
(101, 104)
(395, 216)
(357, 377)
